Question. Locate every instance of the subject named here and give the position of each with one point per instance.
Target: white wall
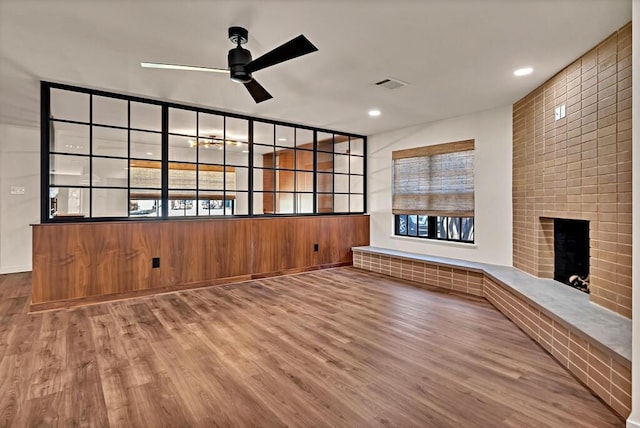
(20, 167)
(492, 133)
(634, 418)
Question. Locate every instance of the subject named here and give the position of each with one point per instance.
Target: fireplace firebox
(571, 253)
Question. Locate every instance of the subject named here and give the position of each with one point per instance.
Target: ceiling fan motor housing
(239, 57)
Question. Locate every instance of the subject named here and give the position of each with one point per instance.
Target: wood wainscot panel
(90, 262)
(78, 260)
(196, 251)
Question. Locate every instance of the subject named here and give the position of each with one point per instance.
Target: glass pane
(356, 184)
(238, 177)
(210, 177)
(241, 204)
(183, 148)
(423, 226)
(147, 206)
(182, 176)
(263, 179)
(210, 125)
(467, 229)
(357, 165)
(146, 116)
(110, 142)
(210, 151)
(110, 111)
(401, 224)
(146, 145)
(412, 225)
(263, 156)
(325, 203)
(325, 142)
(182, 204)
(237, 130)
(304, 160)
(209, 207)
(325, 162)
(284, 158)
(69, 170)
(145, 174)
(341, 203)
(325, 183)
(237, 154)
(69, 105)
(453, 228)
(284, 180)
(341, 164)
(304, 181)
(109, 202)
(262, 200)
(304, 203)
(356, 203)
(182, 122)
(341, 183)
(110, 172)
(341, 144)
(441, 227)
(68, 202)
(284, 203)
(356, 146)
(304, 139)
(285, 136)
(69, 138)
(263, 133)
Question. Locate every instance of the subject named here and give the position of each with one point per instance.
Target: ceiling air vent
(391, 83)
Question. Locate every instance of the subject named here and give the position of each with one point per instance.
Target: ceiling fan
(241, 66)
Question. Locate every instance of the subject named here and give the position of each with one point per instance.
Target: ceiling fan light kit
(241, 65)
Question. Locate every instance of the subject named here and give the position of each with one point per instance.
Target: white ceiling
(457, 55)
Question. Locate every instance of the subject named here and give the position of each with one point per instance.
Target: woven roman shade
(434, 180)
(212, 180)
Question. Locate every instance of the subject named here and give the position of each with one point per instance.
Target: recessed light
(149, 153)
(523, 71)
(374, 113)
(282, 139)
(245, 151)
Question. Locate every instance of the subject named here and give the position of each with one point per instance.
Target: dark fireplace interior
(571, 253)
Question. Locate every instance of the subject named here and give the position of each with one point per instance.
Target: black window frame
(46, 128)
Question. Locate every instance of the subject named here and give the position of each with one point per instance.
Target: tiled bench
(593, 343)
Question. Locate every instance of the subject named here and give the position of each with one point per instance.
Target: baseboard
(15, 269)
(92, 300)
(634, 420)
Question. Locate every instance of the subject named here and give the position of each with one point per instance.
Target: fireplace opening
(571, 253)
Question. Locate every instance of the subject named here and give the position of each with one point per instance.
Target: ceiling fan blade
(292, 49)
(183, 67)
(256, 90)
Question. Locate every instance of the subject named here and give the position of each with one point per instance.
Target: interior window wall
(113, 156)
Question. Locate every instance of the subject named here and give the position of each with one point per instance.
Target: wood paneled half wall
(87, 262)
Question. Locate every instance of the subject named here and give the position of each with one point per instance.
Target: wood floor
(339, 347)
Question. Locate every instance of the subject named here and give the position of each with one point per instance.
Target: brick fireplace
(572, 160)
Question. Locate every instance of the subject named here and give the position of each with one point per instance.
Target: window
(108, 156)
(433, 192)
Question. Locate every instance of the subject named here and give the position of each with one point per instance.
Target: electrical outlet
(155, 262)
(17, 190)
(315, 247)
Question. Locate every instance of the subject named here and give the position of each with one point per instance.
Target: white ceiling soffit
(458, 56)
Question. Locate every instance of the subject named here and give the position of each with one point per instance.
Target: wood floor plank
(329, 348)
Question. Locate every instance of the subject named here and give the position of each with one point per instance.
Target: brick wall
(578, 167)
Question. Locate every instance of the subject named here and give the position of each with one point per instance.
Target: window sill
(435, 241)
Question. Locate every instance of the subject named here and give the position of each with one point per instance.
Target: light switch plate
(17, 190)
(561, 112)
